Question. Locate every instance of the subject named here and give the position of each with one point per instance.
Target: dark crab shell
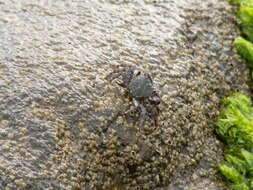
(141, 86)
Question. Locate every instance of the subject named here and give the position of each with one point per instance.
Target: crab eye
(136, 72)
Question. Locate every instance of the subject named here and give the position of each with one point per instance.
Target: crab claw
(113, 75)
(116, 73)
(123, 74)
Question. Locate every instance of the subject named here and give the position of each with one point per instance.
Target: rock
(55, 102)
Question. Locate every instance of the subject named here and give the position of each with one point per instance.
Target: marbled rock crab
(140, 88)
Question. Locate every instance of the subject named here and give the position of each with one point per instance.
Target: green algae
(245, 49)
(248, 31)
(235, 123)
(241, 1)
(244, 45)
(235, 127)
(231, 173)
(245, 15)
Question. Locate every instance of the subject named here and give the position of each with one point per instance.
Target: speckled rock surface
(55, 103)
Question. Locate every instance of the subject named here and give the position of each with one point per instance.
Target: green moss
(235, 127)
(245, 49)
(242, 186)
(231, 174)
(248, 31)
(237, 163)
(241, 1)
(235, 124)
(245, 14)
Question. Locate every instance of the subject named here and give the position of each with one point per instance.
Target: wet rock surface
(55, 102)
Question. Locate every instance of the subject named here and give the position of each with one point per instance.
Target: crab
(140, 88)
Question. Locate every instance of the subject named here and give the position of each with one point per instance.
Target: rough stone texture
(55, 102)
